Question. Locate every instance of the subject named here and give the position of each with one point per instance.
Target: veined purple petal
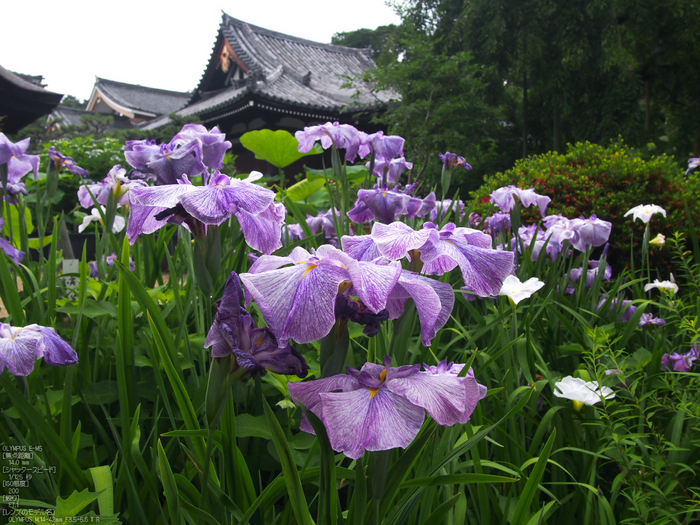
(166, 196)
(142, 220)
(263, 231)
(170, 164)
(358, 420)
(483, 270)
(387, 146)
(434, 302)
(443, 396)
(395, 240)
(360, 247)
(297, 302)
(373, 283)
(308, 394)
(213, 143)
(54, 349)
(19, 349)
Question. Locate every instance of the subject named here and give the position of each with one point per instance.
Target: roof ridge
(170, 91)
(285, 36)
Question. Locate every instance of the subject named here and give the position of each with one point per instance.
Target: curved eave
(116, 106)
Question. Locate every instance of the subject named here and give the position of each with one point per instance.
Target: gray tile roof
(141, 98)
(71, 117)
(283, 70)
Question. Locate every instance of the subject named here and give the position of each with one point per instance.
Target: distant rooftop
(298, 77)
(134, 101)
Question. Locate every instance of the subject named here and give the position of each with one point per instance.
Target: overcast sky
(154, 43)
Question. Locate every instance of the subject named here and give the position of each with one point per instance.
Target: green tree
(375, 39)
(440, 106)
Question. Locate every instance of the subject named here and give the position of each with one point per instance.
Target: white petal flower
(643, 212)
(669, 286)
(517, 291)
(582, 392)
(117, 225)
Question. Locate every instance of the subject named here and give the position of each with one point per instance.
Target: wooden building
(138, 103)
(262, 79)
(23, 99)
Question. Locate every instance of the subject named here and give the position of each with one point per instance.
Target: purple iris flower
(115, 182)
(64, 162)
(504, 198)
(292, 233)
(389, 170)
(255, 349)
(13, 253)
(349, 309)
(590, 232)
(387, 146)
(166, 162)
(381, 204)
(650, 320)
(498, 223)
(383, 407)
(213, 144)
(17, 160)
(298, 301)
(692, 164)
(259, 216)
(434, 300)
(451, 161)
(446, 206)
(109, 262)
(21, 347)
(324, 221)
(680, 362)
(384, 205)
(591, 273)
(483, 268)
(341, 136)
(627, 311)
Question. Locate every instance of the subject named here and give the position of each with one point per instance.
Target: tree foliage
(497, 80)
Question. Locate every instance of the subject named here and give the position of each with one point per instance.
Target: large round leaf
(279, 148)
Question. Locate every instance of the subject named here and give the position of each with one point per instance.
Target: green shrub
(606, 181)
(97, 155)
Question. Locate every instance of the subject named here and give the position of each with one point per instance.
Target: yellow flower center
(382, 378)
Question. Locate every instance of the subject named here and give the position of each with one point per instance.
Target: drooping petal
(434, 302)
(142, 219)
(483, 270)
(357, 421)
(373, 283)
(56, 351)
(13, 253)
(263, 231)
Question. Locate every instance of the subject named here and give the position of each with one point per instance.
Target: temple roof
(250, 62)
(135, 101)
(68, 116)
(23, 101)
